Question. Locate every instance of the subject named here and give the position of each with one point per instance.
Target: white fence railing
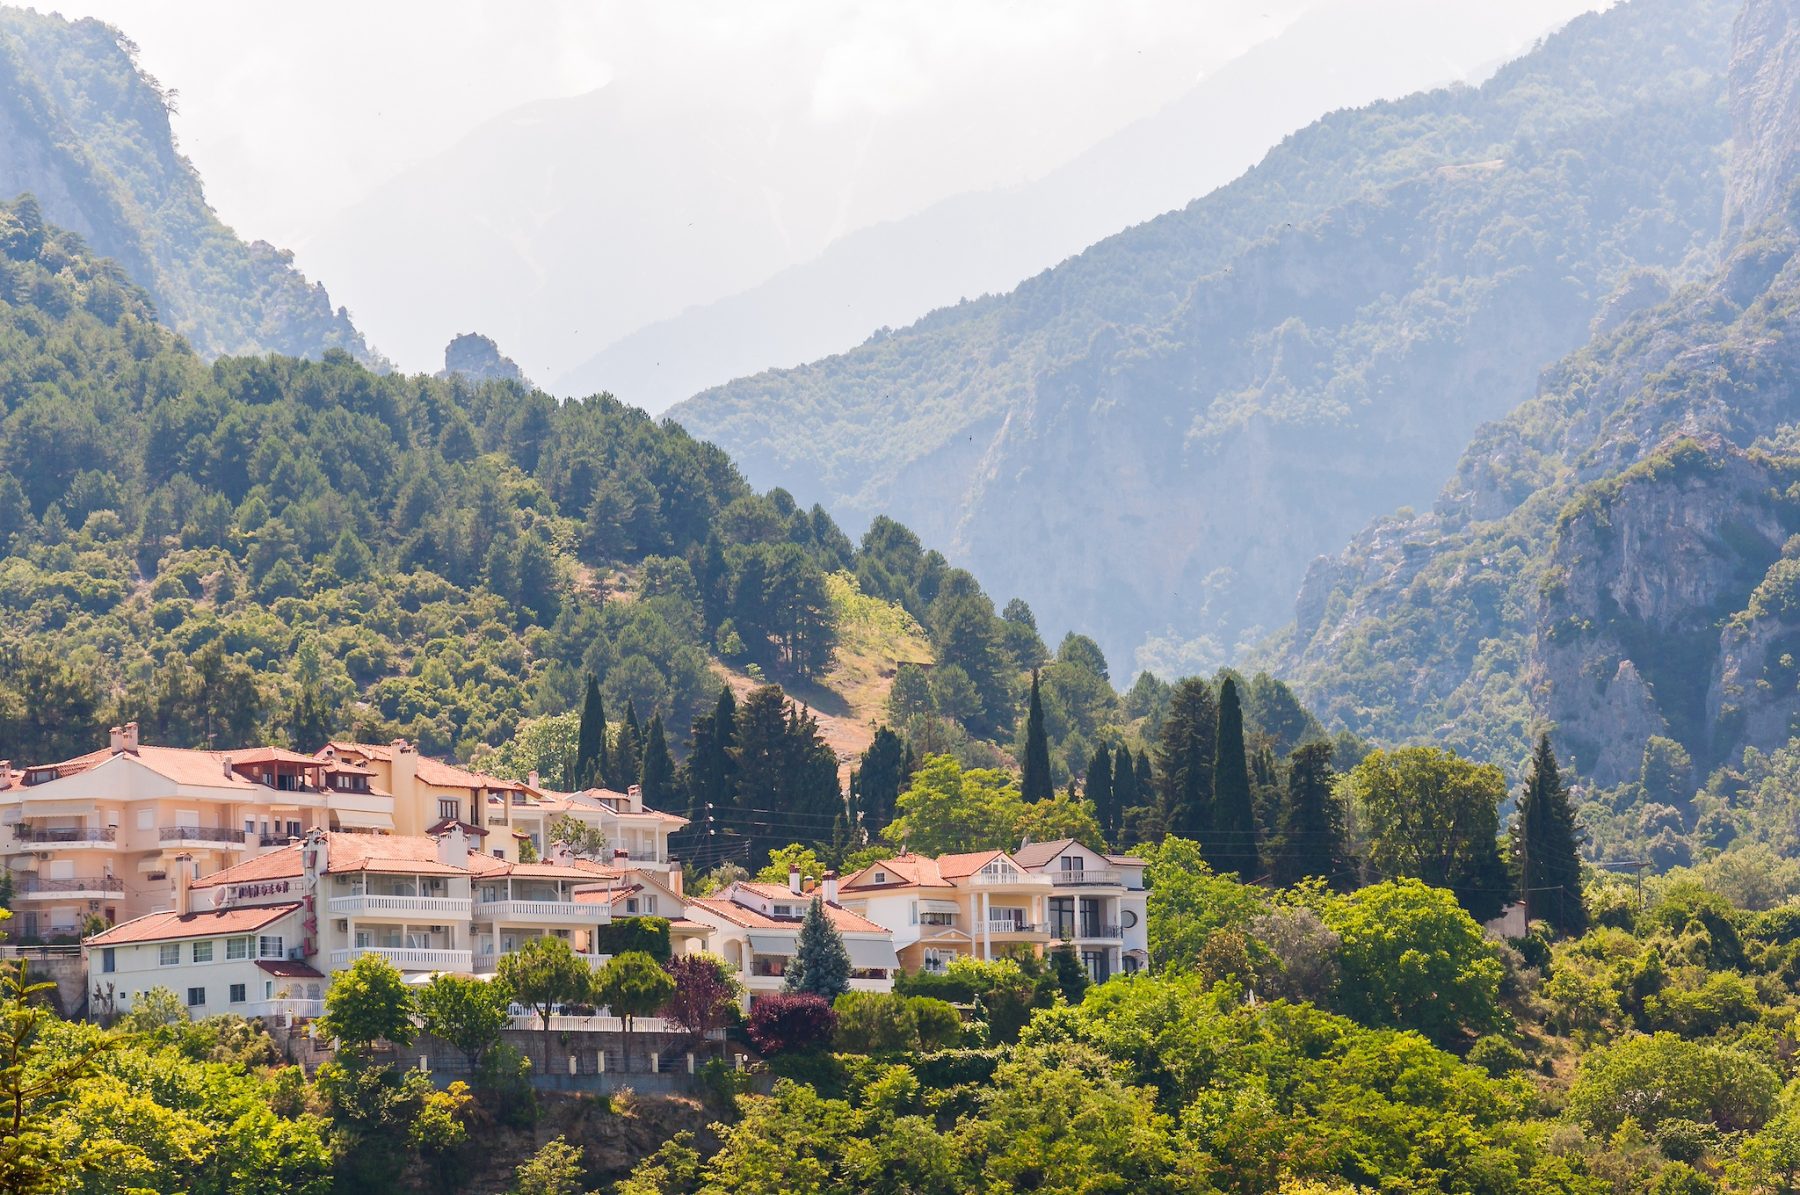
(366, 904)
(542, 910)
(407, 958)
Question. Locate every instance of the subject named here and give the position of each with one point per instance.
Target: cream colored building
(992, 903)
(99, 835)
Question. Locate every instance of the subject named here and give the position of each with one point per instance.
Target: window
(270, 946)
(237, 993)
(881, 877)
(268, 988)
(203, 952)
(169, 954)
(650, 905)
(237, 948)
(107, 962)
(146, 819)
(784, 910)
(196, 997)
(1127, 918)
(449, 809)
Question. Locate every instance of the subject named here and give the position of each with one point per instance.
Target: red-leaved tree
(792, 1021)
(705, 994)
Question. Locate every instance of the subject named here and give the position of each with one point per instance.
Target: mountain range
(1156, 438)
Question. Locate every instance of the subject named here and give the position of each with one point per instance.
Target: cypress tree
(1314, 840)
(1184, 760)
(880, 780)
(1547, 843)
(710, 769)
(1099, 788)
(1036, 784)
(1146, 778)
(590, 741)
(1231, 845)
(628, 752)
(820, 964)
(657, 775)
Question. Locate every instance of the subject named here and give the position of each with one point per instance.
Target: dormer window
(881, 877)
(784, 910)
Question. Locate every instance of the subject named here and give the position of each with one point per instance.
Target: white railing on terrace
(216, 834)
(287, 1010)
(541, 910)
(1087, 876)
(1018, 927)
(487, 964)
(369, 903)
(983, 880)
(524, 1018)
(407, 958)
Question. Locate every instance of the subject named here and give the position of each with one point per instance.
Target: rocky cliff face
(477, 358)
(1613, 559)
(1765, 111)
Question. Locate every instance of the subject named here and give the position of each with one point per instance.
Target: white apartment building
(1098, 903)
(756, 929)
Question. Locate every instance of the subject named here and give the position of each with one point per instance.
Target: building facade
(755, 928)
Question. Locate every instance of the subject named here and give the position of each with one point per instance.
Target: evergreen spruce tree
(1231, 845)
(880, 781)
(820, 964)
(787, 780)
(1036, 784)
(1184, 760)
(628, 752)
(1098, 786)
(1547, 846)
(657, 775)
(591, 765)
(1314, 840)
(1146, 778)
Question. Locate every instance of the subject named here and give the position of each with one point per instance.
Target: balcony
(287, 1011)
(1016, 928)
(558, 911)
(202, 836)
(1090, 931)
(407, 958)
(366, 904)
(63, 836)
(486, 964)
(95, 887)
(1086, 878)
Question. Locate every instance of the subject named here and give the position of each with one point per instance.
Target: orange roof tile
(165, 926)
(743, 915)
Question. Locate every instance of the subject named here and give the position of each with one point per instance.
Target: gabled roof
(434, 772)
(902, 871)
(196, 768)
(250, 755)
(1036, 854)
(209, 923)
(743, 915)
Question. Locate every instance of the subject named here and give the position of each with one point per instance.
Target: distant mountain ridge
(1155, 438)
(1336, 56)
(87, 133)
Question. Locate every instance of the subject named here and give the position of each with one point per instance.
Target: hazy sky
(294, 111)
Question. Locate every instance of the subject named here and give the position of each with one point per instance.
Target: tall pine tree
(1098, 787)
(628, 752)
(820, 964)
(786, 775)
(1547, 846)
(1184, 760)
(591, 765)
(657, 775)
(1231, 844)
(711, 772)
(1314, 840)
(1036, 784)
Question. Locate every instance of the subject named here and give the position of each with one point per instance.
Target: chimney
(831, 887)
(116, 739)
(676, 878)
(453, 846)
(621, 858)
(184, 876)
(636, 793)
(561, 854)
(806, 886)
(5, 773)
(794, 878)
(531, 781)
(131, 737)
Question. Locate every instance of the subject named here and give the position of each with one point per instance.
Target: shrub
(789, 1022)
(1661, 1077)
(647, 934)
(1497, 1056)
(875, 1023)
(940, 1025)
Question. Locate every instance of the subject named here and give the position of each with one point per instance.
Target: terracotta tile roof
(1127, 861)
(279, 864)
(283, 969)
(431, 771)
(409, 854)
(957, 867)
(902, 871)
(166, 926)
(730, 910)
(249, 755)
(202, 769)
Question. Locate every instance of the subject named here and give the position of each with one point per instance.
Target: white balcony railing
(1086, 877)
(542, 910)
(1018, 927)
(287, 1010)
(407, 958)
(366, 904)
(487, 964)
(204, 835)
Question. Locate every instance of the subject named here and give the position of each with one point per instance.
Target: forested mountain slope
(87, 132)
(1161, 433)
(1616, 557)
